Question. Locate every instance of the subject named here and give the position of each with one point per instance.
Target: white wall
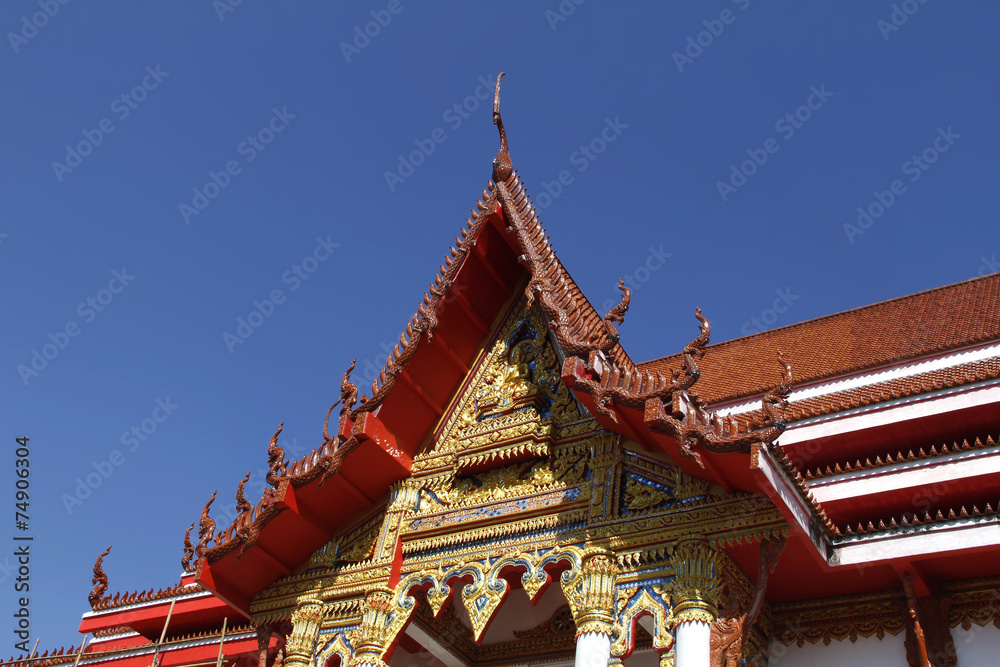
(977, 646)
(888, 652)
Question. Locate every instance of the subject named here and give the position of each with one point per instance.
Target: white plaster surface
(592, 650)
(883, 375)
(886, 652)
(693, 644)
(977, 646)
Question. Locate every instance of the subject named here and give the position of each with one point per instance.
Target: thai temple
(515, 489)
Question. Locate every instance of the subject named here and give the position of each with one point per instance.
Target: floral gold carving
(633, 602)
(382, 619)
(301, 642)
(591, 592)
(695, 586)
(640, 496)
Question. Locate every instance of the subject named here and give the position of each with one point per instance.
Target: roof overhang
(313, 513)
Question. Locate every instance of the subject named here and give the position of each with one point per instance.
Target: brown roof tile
(907, 327)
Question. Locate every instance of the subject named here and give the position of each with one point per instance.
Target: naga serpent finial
(713, 437)
(692, 352)
(787, 378)
(242, 504)
(502, 166)
(206, 528)
(100, 580)
(276, 465)
(617, 314)
(632, 389)
(188, 550)
(776, 400)
(348, 396)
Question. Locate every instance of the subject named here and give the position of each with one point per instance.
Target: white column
(593, 649)
(693, 647)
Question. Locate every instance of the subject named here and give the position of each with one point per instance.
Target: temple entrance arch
(579, 614)
(481, 587)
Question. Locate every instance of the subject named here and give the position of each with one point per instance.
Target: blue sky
(166, 165)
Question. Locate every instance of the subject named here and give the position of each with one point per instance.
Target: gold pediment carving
(516, 429)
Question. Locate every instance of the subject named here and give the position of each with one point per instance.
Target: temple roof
(937, 320)
(503, 253)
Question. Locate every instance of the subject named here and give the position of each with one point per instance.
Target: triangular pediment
(510, 416)
(514, 405)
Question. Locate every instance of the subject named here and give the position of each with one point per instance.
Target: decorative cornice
(840, 618)
(909, 522)
(973, 602)
(934, 452)
(140, 597)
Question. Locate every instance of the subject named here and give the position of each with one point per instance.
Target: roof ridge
(880, 392)
(550, 281)
(555, 275)
(914, 295)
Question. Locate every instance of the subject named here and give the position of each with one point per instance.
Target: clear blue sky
(308, 122)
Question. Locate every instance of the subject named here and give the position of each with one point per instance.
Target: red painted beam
(308, 513)
(378, 460)
(312, 514)
(440, 344)
(921, 585)
(268, 560)
(148, 618)
(203, 653)
(421, 394)
(226, 591)
(477, 321)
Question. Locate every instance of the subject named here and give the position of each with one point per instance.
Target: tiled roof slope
(907, 327)
(567, 295)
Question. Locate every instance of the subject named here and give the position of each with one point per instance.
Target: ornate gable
(515, 445)
(514, 407)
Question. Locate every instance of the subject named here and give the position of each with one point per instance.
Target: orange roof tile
(908, 327)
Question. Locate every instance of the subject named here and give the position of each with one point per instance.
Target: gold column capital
(381, 620)
(591, 593)
(306, 621)
(696, 583)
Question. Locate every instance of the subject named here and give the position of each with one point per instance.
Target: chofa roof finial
(502, 166)
(188, 550)
(100, 581)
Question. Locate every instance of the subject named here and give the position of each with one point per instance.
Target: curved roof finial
(100, 581)
(502, 166)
